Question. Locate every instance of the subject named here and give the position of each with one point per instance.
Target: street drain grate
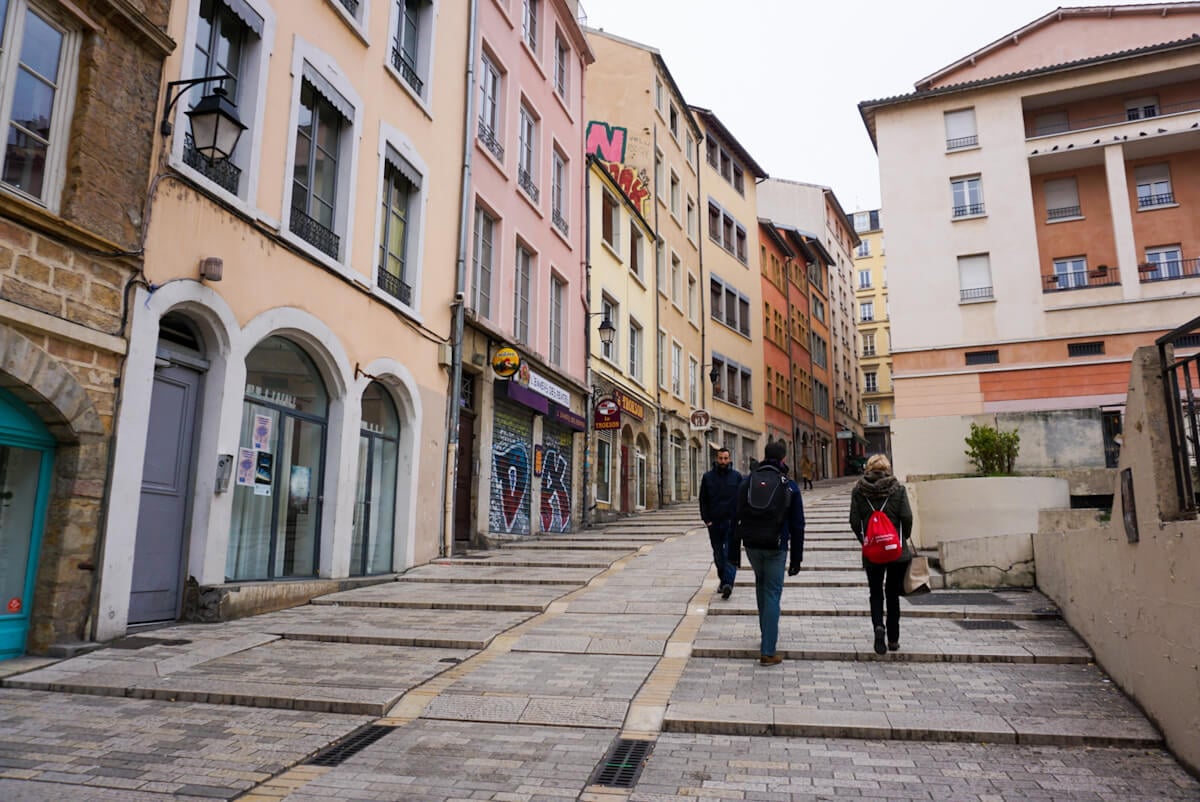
(140, 642)
(622, 766)
(977, 623)
(948, 599)
(337, 753)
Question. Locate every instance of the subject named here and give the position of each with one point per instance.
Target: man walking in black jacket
(718, 503)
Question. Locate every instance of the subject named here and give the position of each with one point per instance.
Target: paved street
(509, 675)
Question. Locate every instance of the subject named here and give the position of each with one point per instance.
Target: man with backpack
(718, 501)
(770, 522)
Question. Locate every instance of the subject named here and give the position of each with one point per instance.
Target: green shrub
(992, 451)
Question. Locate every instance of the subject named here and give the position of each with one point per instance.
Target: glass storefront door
(375, 505)
(26, 454)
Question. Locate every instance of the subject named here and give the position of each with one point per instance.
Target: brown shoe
(770, 660)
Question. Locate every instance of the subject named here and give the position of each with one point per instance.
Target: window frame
(414, 224)
(477, 242)
(610, 310)
(491, 105)
(562, 66)
(970, 188)
(866, 311)
(524, 278)
(637, 350)
(529, 25)
(557, 309)
(528, 151)
(426, 36)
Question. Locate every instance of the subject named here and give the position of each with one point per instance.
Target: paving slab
(607, 544)
(1051, 704)
(567, 558)
(799, 600)
(450, 629)
(480, 574)
(512, 596)
(686, 768)
(83, 747)
(921, 640)
(575, 631)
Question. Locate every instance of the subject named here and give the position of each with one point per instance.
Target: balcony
(962, 142)
(224, 173)
(560, 222)
(969, 210)
(488, 137)
(314, 233)
(1171, 270)
(1083, 279)
(975, 294)
(394, 286)
(1161, 199)
(525, 182)
(1113, 118)
(407, 69)
(1063, 213)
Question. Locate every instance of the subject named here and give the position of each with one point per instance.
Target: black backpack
(768, 499)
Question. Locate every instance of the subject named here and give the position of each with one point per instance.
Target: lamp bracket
(173, 97)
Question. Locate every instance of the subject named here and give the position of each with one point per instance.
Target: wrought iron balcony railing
(407, 70)
(488, 137)
(351, 6)
(1083, 279)
(968, 210)
(962, 142)
(560, 222)
(314, 233)
(1168, 270)
(1063, 211)
(525, 182)
(975, 294)
(394, 286)
(1161, 199)
(224, 173)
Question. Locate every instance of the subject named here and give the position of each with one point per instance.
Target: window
(872, 414)
(740, 247)
(636, 243)
(718, 370)
(866, 311)
(677, 369)
(864, 279)
(693, 312)
(610, 222)
(1153, 185)
(489, 107)
(691, 219)
(1051, 122)
(524, 280)
(1062, 198)
(557, 291)
(374, 526)
(967, 196)
(658, 94)
(660, 265)
(401, 193)
(1167, 262)
(864, 248)
(870, 381)
(659, 184)
(1141, 108)
(529, 24)
(1095, 348)
(673, 121)
(676, 280)
(662, 359)
(635, 350)
(982, 357)
(747, 380)
(485, 226)
(974, 277)
(315, 179)
(674, 194)
(868, 341)
(609, 309)
(732, 384)
(711, 152)
(410, 44)
(960, 129)
(1070, 273)
(603, 468)
(693, 381)
(558, 192)
(818, 309)
(562, 66)
(714, 222)
(527, 153)
(820, 398)
(739, 179)
(819, 350)
(690, 149)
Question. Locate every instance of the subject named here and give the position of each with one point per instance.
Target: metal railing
(314, 233)
(351, 6)
(1168, 270)
(223, 173)
(407, 70)
(1181, 383)
(1083, 279)
(1115, 118)
(560, 222)
(525, 182)
(1063, 211)
(969, 209)
(975, 294)
(394, 286)
(1162, 199)
(962, 142)
(488, 137)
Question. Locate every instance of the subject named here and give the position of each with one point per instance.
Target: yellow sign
(630, 406)
(506, 362)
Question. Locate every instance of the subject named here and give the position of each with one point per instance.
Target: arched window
(375, 503)
(279, 467)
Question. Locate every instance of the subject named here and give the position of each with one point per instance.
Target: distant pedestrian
(718, 502)
(806, 472)
(770, 521)
(876, 490)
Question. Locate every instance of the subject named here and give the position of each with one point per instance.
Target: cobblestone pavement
(509, 674)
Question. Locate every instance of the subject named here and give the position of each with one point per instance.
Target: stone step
(491, 573)
(535, 558)
(513, 596)
(799, 600)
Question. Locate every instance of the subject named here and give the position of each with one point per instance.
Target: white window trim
(693, 310)
(561, 152)
(414, 226)
(676, 297)
(356, 24)
(427, 53)
(637, 371)
(523, 244)
(497, 237)
(502, 104)
(255, 83)
(563, 318)
(303, 52)
(660, 356)
(610, 298)
(538, 171)
(677, 347)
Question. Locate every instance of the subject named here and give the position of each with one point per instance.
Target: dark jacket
(791, 534)
(718, 494)
(877, 488)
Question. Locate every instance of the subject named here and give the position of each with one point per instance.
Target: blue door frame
(20, 428)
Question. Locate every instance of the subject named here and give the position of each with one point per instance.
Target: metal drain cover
(977, 623)
(623, 764)
(942, 597)
(352, 744)
(141, 642)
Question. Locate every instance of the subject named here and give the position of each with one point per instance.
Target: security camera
(459, 297)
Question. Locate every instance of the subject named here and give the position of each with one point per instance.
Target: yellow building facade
(874, 331)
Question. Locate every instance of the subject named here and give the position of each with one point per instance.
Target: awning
(242, 10)
(402, 166)
(527, 397)
(325, 89)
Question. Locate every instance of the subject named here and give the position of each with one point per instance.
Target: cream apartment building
(1040, 227)
(640, 125)
(733, 339)
(282, 420)
(874, 330)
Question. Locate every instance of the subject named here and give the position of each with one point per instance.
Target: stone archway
(66, 573)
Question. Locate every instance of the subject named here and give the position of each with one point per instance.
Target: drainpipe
(450, 474)
(588, 412)
(658, 413)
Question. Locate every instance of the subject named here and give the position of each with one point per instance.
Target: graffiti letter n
(605, 142)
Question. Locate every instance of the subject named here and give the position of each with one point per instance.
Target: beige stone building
(874, 330)
(72, 201)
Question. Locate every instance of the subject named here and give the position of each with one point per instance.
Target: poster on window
(299, 487)
(264, 470)
(262, 433)
(245, 467)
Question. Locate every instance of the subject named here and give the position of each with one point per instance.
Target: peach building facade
(283, 399)
(1039, 225)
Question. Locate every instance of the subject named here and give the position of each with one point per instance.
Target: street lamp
(215, 126)
(608, 331)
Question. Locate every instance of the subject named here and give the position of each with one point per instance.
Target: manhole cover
(944, 598)
(622, 766)
(139, 642)
(971, 623)
(349, 746)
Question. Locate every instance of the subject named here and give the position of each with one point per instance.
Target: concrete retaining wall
(957, 509)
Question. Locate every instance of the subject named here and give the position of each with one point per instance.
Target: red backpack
(881, 541)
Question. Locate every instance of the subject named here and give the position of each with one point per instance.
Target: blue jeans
(719, 535)
(769, 566)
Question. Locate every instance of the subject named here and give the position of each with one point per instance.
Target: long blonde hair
(878, 463)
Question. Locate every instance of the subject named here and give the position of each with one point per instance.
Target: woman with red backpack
(878, 491)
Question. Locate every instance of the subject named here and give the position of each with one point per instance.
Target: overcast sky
(786, 76)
